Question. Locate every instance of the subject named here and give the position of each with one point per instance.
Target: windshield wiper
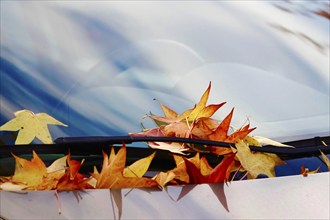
(95, 144)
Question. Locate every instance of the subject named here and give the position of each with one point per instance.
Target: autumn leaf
(33, 175)
(31, 126)
(239, 134)
(180, 170)
(112, 174)
(139, 168)
(176, 148)
(30, 173)
(266, 141)
(218, 175)
(256, 163)
(199, 128)
(168, 112)
(199, 111)
(54, 173)
(221, 132)
(72, 179)
(205, 167)
(163, 178)
(325, 159)
(305, 171)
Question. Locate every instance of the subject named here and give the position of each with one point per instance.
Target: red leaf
(218, 175)
(221, 172)
(72, 179)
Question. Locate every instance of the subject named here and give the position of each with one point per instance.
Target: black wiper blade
(290, 151)
(95, 144)
(131, 139)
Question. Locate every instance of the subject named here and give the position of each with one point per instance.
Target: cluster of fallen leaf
(63, 174)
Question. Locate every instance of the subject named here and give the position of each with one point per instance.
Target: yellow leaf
(58, 165)
(163, 178)
(180, 170)
(31, 126)
(168, 112)
(139, 168)
(205, 167)
(326, 160)
(256, 163)
(201, 105)
(252, 141)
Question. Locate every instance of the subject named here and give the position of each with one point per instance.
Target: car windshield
(99, 68)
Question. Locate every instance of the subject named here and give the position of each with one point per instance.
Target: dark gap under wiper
(95, 144)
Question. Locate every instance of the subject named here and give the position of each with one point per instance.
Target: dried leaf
(176, 148)
(238, 135)
(112, 174)
(31, 172)
(266, 141)
(305, 171)
(218, 175)
(256, 163)
(220, 134)
(163, 178)
(180, 171)
(195, 113)
(168, 112)
(140, 167)
(9, 186)
(58, 165)
(72, 179)
(205, 167)
(326, 160)
(31, 125)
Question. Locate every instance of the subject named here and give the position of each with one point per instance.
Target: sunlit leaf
(325, 159)
(112, 174)
(29, 172)
(305, 171)
(164, 178)
(173, 147)
(31, 126)
(139, 168)
(72, 179)
(218, 175)
(256, 163)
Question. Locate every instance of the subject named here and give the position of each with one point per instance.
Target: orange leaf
(220, 134)
(72, 179)
(29, 172)
(305, 171)
(112, 174)
(209, 110)
(238, 135)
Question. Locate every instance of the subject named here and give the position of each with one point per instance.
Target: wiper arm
(94, 145)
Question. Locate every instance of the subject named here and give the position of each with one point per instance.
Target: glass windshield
(98, 66)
